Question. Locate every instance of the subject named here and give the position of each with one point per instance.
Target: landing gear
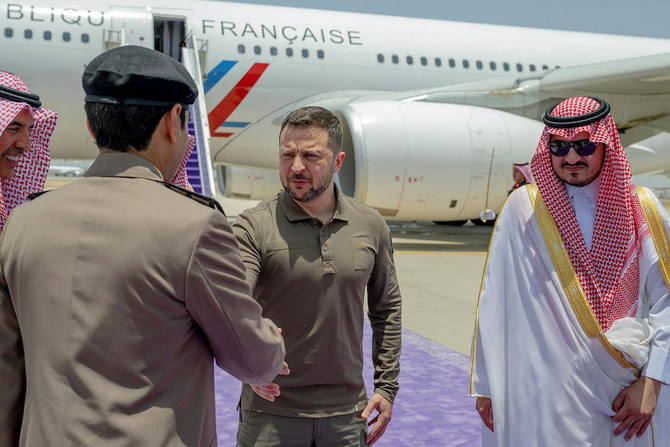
(480, 222)
(453, 223)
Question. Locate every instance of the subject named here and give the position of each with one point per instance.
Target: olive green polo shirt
(311, 279)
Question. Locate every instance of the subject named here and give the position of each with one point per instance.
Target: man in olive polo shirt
(310, 254)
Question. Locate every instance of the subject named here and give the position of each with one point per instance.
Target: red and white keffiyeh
(31, 172)
(609, 272)
(181, 178)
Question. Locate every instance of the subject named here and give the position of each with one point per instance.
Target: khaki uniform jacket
(116, 294)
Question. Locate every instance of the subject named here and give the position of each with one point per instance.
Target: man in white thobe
(572, 338)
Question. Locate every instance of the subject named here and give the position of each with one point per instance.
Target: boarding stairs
(175, 43)
(199, 166)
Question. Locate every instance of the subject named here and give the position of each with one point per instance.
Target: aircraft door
(129, 26)
(490, 149)
(169, 35)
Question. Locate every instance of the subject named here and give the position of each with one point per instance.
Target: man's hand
(635, 406)
(485, 410)
(269, 392)
(381, 420)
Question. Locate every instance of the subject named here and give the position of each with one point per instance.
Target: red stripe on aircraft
(233, 99)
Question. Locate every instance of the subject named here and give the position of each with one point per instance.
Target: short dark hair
(314, 116)
(121, 128)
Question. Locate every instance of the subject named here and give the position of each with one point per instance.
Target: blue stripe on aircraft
(234, 124)
(217, 73)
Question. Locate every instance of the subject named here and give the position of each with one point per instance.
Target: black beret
(133, 75)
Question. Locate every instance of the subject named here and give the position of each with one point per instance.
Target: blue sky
(637, 18)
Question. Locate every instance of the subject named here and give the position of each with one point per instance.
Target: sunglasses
(582, 147)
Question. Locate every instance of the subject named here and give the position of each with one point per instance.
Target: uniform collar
(123, 164)
(294, 213)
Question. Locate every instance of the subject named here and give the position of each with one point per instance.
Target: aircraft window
(273, 51)
(505, 66)
(47, 35)
(394, 59)
(28, 34)
(519, 67)
(466, 63)
(380, 58)
(545, 67)
(479, 65)
(492, 65)
(305, 53)
(240, 49)
(438, 62)
(320, 54)
(532, 67)
(257, 49)
(66, 36)
(84, 38)
(452, 63)
(410, 60)
(424, 61)
(9, 32)
(289, 52)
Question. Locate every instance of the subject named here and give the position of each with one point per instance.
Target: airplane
(434, 112)
(66, 171)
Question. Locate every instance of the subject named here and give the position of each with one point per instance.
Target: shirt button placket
(326, 253)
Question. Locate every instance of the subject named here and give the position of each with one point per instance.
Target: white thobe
(550, 383)
(584, 200)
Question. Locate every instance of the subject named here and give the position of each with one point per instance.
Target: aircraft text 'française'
(285, 32)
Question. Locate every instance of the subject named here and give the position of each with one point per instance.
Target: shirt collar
(123, 164)
(294, 213)
(592, 190)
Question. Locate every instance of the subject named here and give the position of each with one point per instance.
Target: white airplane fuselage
(409, 159)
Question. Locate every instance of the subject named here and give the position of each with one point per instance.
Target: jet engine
(427, 161)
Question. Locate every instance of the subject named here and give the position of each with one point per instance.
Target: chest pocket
(363, 253)
(287, 245)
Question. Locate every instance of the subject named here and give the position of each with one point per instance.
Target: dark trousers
(266, 430)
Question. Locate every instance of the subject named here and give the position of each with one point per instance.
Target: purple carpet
(433, 407)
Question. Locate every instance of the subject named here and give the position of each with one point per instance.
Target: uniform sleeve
(12, 370)
(244, 230)
(244, 344)
(384, 312)
(658, 302)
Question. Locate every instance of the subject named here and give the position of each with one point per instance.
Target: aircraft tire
(453, 223)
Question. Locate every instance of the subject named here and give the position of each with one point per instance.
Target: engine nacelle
(427, 161)
(247, 183)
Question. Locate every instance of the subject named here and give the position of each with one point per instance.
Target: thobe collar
(123, 164)
(586, 217)
(295, 213)
(592, 190)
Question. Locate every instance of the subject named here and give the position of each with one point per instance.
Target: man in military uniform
(117, 292)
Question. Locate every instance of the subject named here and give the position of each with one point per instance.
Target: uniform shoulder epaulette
(35, 195)
(212, 203)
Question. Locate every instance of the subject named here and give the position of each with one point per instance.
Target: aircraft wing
(638, 90)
